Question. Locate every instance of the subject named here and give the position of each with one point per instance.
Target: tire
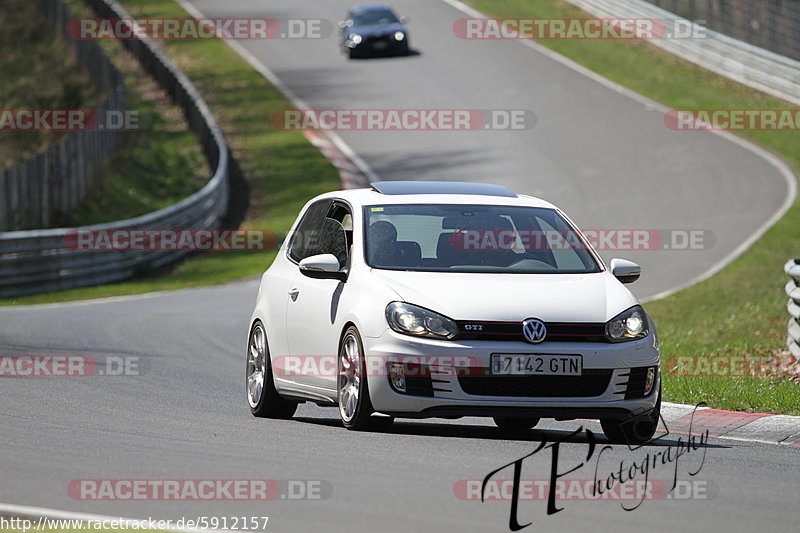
(352, 391)
(509, 423)
(264, 400)
(634, 431)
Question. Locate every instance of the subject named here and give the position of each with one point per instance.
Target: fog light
(650, 381)
(397, 376)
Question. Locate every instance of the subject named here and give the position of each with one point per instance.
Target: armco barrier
(792, 269)
(59, 178)
(742, 62)
(770, 24)
(39, 260)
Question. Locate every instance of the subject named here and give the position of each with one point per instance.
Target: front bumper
(602, 391)
(378, 45)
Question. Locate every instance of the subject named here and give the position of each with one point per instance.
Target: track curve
(186, 416)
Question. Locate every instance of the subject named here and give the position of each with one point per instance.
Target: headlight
(413, 320)
(356, 38)
(399, 36)
(628, 325)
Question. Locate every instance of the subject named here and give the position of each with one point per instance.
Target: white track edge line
(783, 168)
(298, 102)
(771, 158)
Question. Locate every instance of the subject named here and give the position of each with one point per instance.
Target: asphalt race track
(185, 417)
(605, 158)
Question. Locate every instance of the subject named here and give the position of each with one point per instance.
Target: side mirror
(322, 266)
(342, 24)
(625, 271)
(404, 19)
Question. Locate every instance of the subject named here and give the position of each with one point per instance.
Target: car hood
(594, 297)
(373, 31)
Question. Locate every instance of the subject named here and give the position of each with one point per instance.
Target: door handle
(294, 293)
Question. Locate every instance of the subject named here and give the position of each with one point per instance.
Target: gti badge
(534, 330)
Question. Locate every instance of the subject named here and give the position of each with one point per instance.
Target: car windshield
(474, 238)
(375, 17)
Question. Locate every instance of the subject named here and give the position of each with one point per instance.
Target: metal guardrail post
(792, 269)
(727, 56)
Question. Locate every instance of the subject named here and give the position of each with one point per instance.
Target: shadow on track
(459, 431)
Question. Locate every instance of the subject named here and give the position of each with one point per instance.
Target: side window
(306, 238)
(334, 238)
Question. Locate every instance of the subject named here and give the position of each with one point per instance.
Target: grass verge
(709, 318)
(156, 166)
(282, 168)
(159, 163)
(27, 74)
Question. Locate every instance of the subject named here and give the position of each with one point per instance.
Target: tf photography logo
(624, 474)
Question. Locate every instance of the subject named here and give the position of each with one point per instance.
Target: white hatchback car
(446, 299)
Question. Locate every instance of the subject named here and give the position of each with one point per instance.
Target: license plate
(531, 364)
(380, 45)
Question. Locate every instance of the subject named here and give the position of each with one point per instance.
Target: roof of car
(442, 187)
(370, 7)
(435, 192)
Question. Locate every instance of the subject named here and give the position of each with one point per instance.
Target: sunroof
(442, 187)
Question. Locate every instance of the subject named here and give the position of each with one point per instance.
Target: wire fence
(770, 24)
(36, 261)
(56, 181)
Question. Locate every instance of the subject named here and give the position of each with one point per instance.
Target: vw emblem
(534, 330)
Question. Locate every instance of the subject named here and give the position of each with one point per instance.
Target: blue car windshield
(376, 17)
(474, 238)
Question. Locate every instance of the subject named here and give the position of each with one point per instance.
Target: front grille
(512, 331)
(372, 40)
(593, 382)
